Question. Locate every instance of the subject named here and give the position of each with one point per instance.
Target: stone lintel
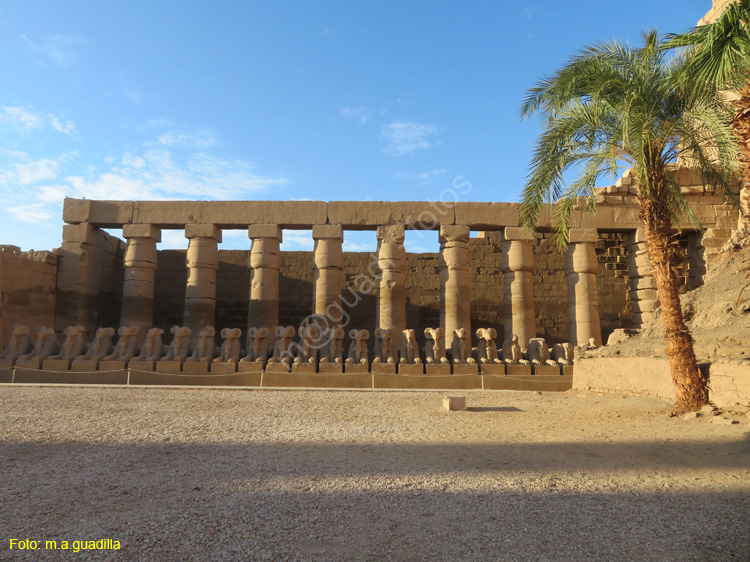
(454, 233)
(141, 231)
(514, 233)
(264, 231)
(324, 231)
(203, 231)
(580, 235)
(391, 234)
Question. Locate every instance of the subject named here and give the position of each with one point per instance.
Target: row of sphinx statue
(312, 345)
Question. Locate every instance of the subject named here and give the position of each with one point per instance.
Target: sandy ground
(264, 475)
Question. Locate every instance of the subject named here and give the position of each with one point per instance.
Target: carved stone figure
(358, 347)
(409, 352)
(46, 344)
(19, 344)
(538, 352)
(179, 349)
(205, 348)
(231, 347)
(307, 350)
(152, 349)
(512, 354)
(460, 350)
(434, 350)
(127, 345)
(384, 351)
(562, 353)
(100, 347)
(73, 345)
(487, 348)
(257, 346)
(282, 352)
(333, 351)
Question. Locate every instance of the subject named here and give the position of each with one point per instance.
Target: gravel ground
(315, 475)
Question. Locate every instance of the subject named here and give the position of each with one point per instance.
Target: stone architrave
(265, 263)
(455, 303)
(328, 264)
(202, 263)
(391, 310)
(518, 287)
(138, 286)
(581, 268)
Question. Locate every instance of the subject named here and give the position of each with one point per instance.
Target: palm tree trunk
(691, 385)
(741, 126)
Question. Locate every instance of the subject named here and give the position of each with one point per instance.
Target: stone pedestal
(357, 368)
(112, 365)
(438, 369)
(142, 365)
(169, 366)
(84, 365)
(56, 364)
(455, 302)
(546, 370)
(303, 368)
(6, 363)
(388, 368)
(330, 368)
(466, 369)
(265, 262)
(223, 368)
(29, 364)
(249, 367)
(410, 369)
(138, 285)
(581, 268)
(328, 263)
(518, 287)
(195, 367)
(277, 368)
(492, 368)
(518, 369)
(391, 310)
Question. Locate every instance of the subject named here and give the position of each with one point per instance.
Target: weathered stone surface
(487, 216)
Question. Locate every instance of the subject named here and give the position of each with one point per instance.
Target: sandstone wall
(27, 289)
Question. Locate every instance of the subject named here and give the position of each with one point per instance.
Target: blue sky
(325, 100)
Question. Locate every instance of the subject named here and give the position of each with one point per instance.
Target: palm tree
(613, 106)
(719, 53)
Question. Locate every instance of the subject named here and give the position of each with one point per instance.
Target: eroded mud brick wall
(27, 289)
(359, 294)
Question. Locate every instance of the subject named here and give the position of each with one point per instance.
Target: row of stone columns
(328, 261)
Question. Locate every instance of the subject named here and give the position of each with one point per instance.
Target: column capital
(393, 234)
(454, 233)
(517, 233)
(203, 231)
(264, 231)
(326, 231)
(582, 235)
(141, 231)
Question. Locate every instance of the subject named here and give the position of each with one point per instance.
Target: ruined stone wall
(27, 289)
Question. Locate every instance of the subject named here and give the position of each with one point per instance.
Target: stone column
(265, 262)
(202, 263)
(328, 264)
(138, 286)
(518, 286)
(391, 311)
(455, 303)
(581, 268)
(643, 294)
(87, 262)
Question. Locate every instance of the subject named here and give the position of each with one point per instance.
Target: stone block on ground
(454, 402)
